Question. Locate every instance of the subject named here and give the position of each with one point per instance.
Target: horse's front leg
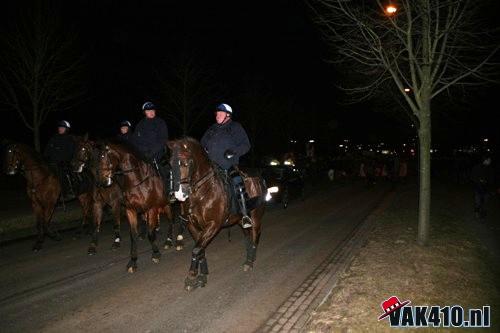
(115, 208)
(97, 208)
(85, 200)
(179, 239)
(169, 243)
(48, 212)
(153, 223)
(40, 225)
(132, 220)
(182, 221)
(198, 259)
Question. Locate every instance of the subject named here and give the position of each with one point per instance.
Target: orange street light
(390, 9)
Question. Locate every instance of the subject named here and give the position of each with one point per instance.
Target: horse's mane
(128, 147)
(192, 142)
(32, 153)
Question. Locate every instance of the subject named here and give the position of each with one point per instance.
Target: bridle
(19, 166)
(183, 161)
(16, 156)
(104, 153)
(12, 150)
(83, 160)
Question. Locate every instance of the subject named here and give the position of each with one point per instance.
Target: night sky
(267, 46)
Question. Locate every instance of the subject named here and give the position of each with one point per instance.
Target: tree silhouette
(188, 89)
(418, 48)
(39, 68)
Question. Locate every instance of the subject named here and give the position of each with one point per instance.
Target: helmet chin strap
(225, 120)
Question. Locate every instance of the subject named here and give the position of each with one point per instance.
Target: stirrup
(246, 222)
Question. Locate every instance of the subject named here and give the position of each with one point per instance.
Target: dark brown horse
(85, 157)
(43, 188)
(143, 192)
(206, 202)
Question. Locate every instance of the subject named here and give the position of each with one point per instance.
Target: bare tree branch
(40, 72)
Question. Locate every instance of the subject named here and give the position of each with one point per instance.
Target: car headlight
(274, 163)
(273, 189)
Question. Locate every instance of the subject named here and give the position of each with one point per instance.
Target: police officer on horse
(225, 142)
(59, 152)
(150, 137)
(125, 133)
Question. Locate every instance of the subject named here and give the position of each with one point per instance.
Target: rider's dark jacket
(124, 137)
(229, 136)
(60, 148)
(150, 137)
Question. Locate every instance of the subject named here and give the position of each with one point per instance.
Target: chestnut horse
(85, 157)
(143, 192)
(43, 188)
(206, 202)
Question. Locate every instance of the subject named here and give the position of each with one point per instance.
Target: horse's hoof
(132, 269)
(37, 247)
(190, 283)
(201, 280)
(54, 236)
(168, 244)
(115, 246)
(155, 260)
(179, 247)
(92, 251)
(248, 266)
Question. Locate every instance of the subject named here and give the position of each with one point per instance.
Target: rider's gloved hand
(229, 154)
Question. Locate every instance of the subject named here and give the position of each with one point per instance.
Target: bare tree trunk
(424, 132)
(424, 207)
(36, 137)
(36, 128)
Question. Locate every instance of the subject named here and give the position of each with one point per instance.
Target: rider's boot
(68, 191)
(246, 220)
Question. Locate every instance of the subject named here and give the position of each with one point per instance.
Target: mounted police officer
(225, 142)
(59, 152)
(150, 137)
(125, 133)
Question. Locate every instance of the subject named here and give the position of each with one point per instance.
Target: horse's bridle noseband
(105, 153)
(192, 187)
(15, 156)
(86, 158)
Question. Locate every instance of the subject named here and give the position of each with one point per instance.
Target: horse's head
(83, 155)
(13, 162)
(108, 161)
(185, 160)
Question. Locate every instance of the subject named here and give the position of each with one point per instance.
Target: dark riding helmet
(125, 123)
(148, 106)
(64, 123)
(224, 108)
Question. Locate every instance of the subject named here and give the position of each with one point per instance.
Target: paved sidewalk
(294, 313)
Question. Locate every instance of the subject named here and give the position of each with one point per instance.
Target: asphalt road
(62, 289)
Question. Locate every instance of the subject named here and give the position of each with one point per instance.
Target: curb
(295, 312)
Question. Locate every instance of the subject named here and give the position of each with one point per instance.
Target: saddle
(254, 198)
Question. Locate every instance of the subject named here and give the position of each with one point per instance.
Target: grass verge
(459, 267)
